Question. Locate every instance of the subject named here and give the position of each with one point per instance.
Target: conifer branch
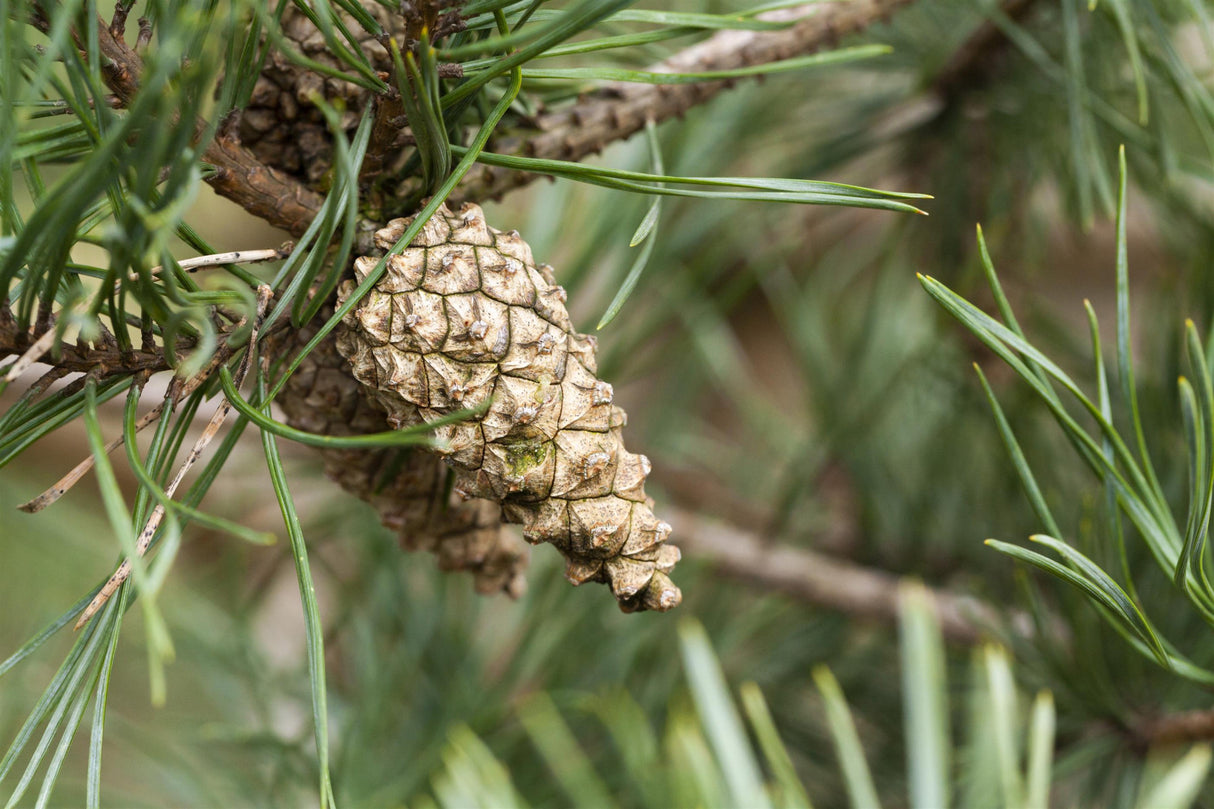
(614, 112)
(1174, 729)
(178, 390)
(261, 190)
(831, 582)
(618, 110)
(103, 360)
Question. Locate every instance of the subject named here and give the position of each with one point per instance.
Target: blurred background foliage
(788, 376)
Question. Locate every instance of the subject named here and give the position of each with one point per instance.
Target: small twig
(65, 483)
(144, 540)
(386, 133)
(832, 582)
(118, 21)
(224, 259)
(44, 382)
(144, 36)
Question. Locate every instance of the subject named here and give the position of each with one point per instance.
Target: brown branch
(842, 585)
(266, 192)
(103, 362)
(104, 359)
(387, 130)
(263, 191)
(1173, 729)
(832, 582)
(618, 110)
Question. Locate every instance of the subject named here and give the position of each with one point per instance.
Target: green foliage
(121, 177)
(1128, 475)
(804, 357)
(709, 758)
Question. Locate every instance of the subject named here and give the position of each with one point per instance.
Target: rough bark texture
(463, 318)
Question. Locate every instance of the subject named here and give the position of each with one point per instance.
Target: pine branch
(266, 192)
(1174, 729)
(614, 112)
(831, 582)
(261, 190)
(102, 361)
(618, 110)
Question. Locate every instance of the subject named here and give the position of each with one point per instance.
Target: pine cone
(463, 317)
(409, 488)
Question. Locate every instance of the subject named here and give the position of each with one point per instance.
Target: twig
(224, 259)
(262, 191)
(117, 25)
(387, 130)
(618, 110)
(43, 383)
(144, 36)
(832, 582)
(101, 362)
(153, 524)
(64, 484)
(265, 192)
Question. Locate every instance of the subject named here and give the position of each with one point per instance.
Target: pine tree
(456, 344)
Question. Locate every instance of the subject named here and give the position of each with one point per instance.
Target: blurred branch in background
(971, 64)
(834, 583)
